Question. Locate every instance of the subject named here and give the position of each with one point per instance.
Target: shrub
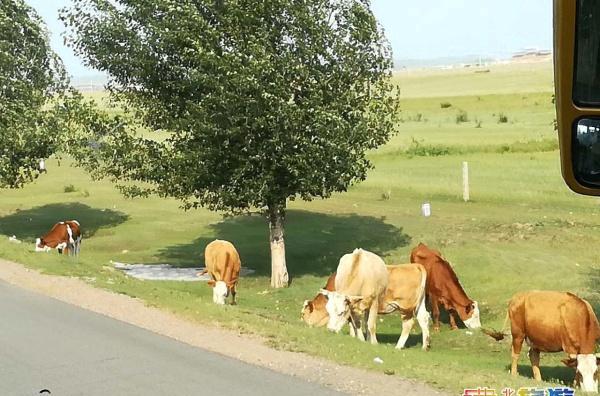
(445, 105)
(69, 188)
(502, 118)
(462, 116)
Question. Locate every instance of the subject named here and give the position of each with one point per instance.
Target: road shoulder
(249, 349)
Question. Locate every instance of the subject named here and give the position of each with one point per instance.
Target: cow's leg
(517, 344)
(407, 325)
(435, 311)
(356, 326)
(451, 315)
(534, 357)
(423, 319)
(372, 322)
(233, 292)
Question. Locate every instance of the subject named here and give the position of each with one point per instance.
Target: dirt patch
(246, 348)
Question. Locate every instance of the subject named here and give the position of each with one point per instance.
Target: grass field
(522, 230)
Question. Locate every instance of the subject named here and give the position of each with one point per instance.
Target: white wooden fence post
(465, 175)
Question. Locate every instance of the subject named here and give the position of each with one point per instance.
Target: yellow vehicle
(577, 83)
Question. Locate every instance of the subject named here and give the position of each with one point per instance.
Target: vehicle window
(586, 87)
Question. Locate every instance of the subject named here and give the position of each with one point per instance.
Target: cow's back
(554, 321)
(406, 286)
(222, 261)
(362, 273)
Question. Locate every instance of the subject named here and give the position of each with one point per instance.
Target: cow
(406, 294)
(65, 237)
(360, 285)
(552, 321)
(222, 263)
(313, 311)
(443, 287)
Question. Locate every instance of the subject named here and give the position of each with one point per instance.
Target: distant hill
(442, 61)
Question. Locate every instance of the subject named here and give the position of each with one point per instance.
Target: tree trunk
(279, 274)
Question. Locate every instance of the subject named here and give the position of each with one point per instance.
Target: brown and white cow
(551, 321)
(443, 287)
(222, 263)
(313, 311)
(360, 285)
(64, 236)
(406, 294)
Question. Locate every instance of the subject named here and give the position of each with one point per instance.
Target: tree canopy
(264, 101)
(31, 76)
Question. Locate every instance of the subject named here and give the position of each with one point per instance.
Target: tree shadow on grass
(32, 223)
(314, 241)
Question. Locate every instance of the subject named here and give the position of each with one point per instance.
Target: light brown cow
(223, 264)
(360, 284)
(313, 311)
(65, 237)
(443, 287)
(406, 294)
(551, 321)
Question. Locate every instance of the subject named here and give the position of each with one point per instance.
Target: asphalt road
(47, 344)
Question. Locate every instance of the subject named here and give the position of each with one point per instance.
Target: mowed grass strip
(522, 230)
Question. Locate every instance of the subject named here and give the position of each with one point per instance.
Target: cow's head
(40, 245)
(586, 374)
(220, 291)
(469, 314)
(314, 312)
(338, 308)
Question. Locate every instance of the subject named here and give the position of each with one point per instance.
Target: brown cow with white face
(551, 321)
(223, 264)
(313, 311)
(65, 237)
(444, 288)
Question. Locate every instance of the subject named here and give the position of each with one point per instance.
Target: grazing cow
(313, 311)
(444, 288)
(406, 294)
(222, 262)
(64, 236)
(551, 321)
(360, 285)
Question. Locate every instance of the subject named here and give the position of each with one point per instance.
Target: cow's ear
(571, 362)
(211, 283)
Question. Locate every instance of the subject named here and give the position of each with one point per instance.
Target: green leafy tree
(31, 77)
(265, 101)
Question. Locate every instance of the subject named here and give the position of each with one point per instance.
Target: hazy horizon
(427, 30)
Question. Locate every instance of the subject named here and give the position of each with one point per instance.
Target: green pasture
(522, 230)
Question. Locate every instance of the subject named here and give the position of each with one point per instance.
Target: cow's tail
(422, 291)
(498, 335)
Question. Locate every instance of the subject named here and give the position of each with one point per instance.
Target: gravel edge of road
(249, 349)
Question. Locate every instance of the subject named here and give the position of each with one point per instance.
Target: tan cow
(406, 294)
(223, 264)
(65, 237)
(360, 285)
(551, 321)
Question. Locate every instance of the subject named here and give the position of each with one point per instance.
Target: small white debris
(13, 239)
(468, 332)
(378, 360)
(124, 251)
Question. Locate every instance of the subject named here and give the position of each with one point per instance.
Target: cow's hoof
(453, 327)
(436, 329)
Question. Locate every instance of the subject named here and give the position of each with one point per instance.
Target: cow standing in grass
(223, 264)
(551, 321)
(65, 237)
(405, 294)
(444, 288)
(360, 285)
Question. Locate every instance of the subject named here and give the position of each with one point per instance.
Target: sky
(417, 29)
